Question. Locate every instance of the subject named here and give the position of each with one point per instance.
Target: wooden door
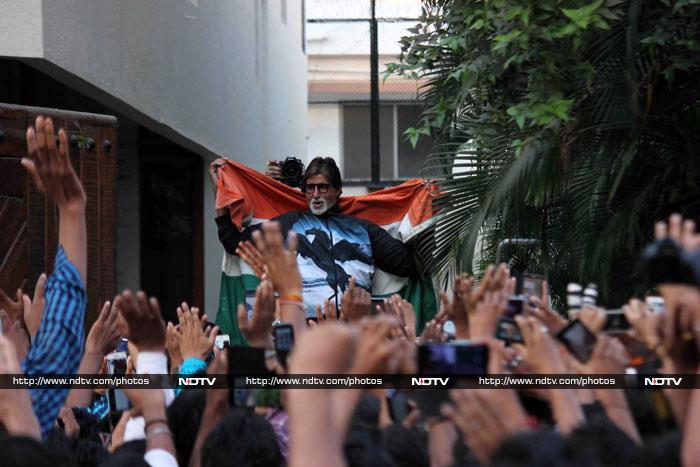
(28, 221)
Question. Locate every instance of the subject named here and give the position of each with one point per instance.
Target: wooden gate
(28, 222)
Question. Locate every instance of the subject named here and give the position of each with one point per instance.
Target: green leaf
(582, 16)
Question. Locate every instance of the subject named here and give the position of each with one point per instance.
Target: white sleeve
(160, 458)
(152, 363)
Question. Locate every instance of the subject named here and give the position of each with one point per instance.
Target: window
(398, 159)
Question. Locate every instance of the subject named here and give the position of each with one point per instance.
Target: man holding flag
(332, 246)
(361, 237)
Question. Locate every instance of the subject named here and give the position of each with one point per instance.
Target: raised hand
(281, 262)
(375, 351)
(16, 334)
(403, 310)
(172, 345)
(51, 169)
(485, 418)
(50, 166)
(195, 342)
(541, 310)
(104, 333)
(141, 320)
(646, 325)
(484, 317)
(33, 309)
(258, 330)
(432, 332)
(214, 168)
(16, 413)
(682, 231)
(541, 351)
(609, 357)
(12, 307)
(248, 253)
(328, 314)
(273, 170)
(356, 303)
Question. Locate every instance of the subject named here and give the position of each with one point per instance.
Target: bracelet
(154, 421)
(292, 302)
(159, 431)
(291, 297)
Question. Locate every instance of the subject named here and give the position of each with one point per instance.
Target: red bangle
(291, 297)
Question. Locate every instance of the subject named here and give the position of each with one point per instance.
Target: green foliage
(573, 122)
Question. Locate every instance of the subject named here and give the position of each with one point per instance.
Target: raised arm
(51, 170)
(391, 254)
(58, 344)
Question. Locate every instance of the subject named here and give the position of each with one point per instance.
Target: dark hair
(603, 441)
(184, 418)
(79, 452)
(325, 166)
(129, 454)
(660, 451)
(20, 451)
(406, 446)
(242, 439)
(539, 448)
(363, 443)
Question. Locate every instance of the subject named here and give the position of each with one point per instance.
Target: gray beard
(318, 212)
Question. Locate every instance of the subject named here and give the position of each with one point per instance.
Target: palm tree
(578, 127)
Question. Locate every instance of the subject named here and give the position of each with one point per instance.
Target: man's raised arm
(59, 341)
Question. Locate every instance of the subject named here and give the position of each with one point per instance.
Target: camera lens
(291, 169)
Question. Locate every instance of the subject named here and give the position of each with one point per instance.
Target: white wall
(325, 132)
(20, 28)
(223, 77)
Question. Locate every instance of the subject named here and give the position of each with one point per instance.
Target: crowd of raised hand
(333, 426)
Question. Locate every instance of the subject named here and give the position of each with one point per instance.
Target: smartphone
(656, 303)
(377, 301)
(515, 306)
(578, 339)
(116, 365)
(123, 345)
(532, 285)
(283, 337)
(616, 321)
(507, 330)
(453, 359)
(249, 302)
(447, 360)
(223, 341)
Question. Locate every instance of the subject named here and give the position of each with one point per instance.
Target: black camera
(664, 261)
(292, 171)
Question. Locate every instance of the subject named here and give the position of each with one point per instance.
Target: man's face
(320, 194)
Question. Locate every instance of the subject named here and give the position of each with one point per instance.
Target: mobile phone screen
(515, 306)
(616, 321)
(222, 341)
(532, 285)
(116, 363)
(377, 301)
(578, 339)
(507, 330)
(449, 359)
(283, 335)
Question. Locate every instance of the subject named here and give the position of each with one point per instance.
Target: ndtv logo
(662, 381)
(429, 381)
(196, 381)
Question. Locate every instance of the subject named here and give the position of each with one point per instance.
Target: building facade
(188, 80)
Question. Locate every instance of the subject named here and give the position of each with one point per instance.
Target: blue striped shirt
(58, 346)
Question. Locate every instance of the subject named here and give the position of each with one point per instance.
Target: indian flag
(252, 197)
